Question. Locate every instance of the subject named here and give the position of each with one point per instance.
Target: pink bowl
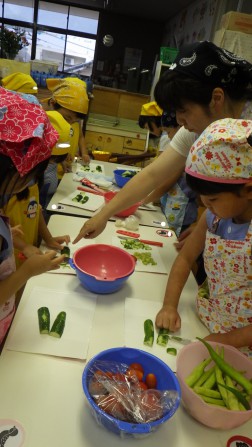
(125, 213)
(211, 415)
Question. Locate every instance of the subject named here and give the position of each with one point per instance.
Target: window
(18, 10)
(50, 14)
(50, 47)
(79, 55)
(83, 20)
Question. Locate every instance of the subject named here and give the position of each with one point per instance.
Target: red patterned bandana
(26, 135)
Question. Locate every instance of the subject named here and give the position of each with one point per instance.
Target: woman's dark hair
(57, 106)
(174, 89)
(206, 187)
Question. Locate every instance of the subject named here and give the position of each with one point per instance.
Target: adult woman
(206, 83)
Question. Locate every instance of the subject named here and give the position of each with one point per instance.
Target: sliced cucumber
(58, 325)
(148, 332)
(44, 320)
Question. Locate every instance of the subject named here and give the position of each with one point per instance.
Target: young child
(59, 154)
(20, 83)
(70, 99)
(219, 168)
(26, 138)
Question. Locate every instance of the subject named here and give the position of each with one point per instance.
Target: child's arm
(83, 148)
(33, 266)
(168, 316)
(238, 338)
(27, 249)
(50, 241)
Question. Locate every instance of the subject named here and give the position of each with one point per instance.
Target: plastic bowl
(210, 415)
(101, 155)
(103, 268)
(125, 213)
(166, 380)
(120, 180)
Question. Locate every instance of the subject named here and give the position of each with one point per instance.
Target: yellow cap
(20, 82)
(70, 95)
(151, 109)
(63, 128)
(76, 81)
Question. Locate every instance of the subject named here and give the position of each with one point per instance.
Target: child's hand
(30, 250)
(85, 159)
(41, 263)
(17, 231)
(57, 241)
(168, 318)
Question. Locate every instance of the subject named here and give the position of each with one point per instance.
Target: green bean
(197, 372)
(233, 403)
(228, 369)
(206, 392)
(204, 377)
(211, 400)
(211, 381)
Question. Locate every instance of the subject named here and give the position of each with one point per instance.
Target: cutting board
(94, 201)
(79, 308)
(136, 312)
(93, 168)
(140, 267)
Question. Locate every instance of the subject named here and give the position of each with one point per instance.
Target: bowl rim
(196, 396)
(123, 425)
(130, 257)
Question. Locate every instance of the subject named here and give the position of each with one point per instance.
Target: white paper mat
(140, 267)
(136, 312)
(79, 308)
(94, 201)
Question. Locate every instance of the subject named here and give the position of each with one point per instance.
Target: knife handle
(156, 243)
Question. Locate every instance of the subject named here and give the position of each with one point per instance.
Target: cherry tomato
(151, 406)
(119, 377)
(133, 373)
(136, 366)
(151, 381)
(142, 385)
(111, 405)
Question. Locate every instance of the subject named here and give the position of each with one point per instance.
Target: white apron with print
(228, 264)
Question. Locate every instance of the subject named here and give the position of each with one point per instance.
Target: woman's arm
(165, 187)
(238, 338)
(170, 163)
(168, 316)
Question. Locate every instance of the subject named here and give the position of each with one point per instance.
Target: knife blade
(183, 341)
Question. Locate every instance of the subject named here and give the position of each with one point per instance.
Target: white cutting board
(94, 168)
(136, 312)
(140, 267)
(79, 308)
(94, 201)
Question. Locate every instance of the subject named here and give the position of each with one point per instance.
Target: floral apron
(7, 266)
(228, 264)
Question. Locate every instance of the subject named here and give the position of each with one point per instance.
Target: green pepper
(197, 372)
(228, 369)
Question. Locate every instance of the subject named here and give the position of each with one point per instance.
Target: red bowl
(125, 213)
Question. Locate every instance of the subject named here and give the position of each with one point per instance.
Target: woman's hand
(168, 318)
(182, 238)
(92, 228)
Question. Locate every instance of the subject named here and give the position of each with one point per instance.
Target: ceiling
(155, 10)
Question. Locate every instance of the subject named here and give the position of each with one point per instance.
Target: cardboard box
(236, 42)
(237, 21)
(8, 66)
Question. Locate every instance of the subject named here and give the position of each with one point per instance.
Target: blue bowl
(121, 181)
(166, 380)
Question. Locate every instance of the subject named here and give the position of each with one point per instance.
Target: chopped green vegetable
(228, 369)
(98, 168)
(148, 332)
(129, 173)
(65, 251)
(145, 258)
(58, 325)
(44, 320)
(172, 351)
(77, 198)
(85, 199)
(163, 337)
(132, 244)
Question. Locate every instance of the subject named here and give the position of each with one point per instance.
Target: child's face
(70, 116)
(194, 117)
(228, 205)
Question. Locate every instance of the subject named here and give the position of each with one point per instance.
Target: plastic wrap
(121, 395)
(130, 223)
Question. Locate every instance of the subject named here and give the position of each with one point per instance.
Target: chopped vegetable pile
(129, 173)
(162, 337)
(132, 244)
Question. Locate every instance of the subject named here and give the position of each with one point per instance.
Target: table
(44, 393)
(68, 185)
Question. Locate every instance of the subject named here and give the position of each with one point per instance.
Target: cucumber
(65, 251)
(44, 320)
(148, 332)
(163, 337)
(58, 325)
